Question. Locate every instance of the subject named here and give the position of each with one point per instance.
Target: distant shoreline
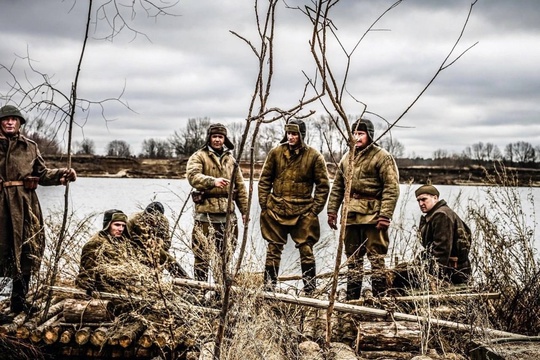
(410, 172)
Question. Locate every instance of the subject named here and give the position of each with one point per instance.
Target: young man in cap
(293, 188)
(374, 194)
(209, 171)
(22, 239)
(113, 247)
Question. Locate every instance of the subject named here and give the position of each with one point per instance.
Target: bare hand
(221, 182)
(383, 223)
(69, 176)
(332, 221)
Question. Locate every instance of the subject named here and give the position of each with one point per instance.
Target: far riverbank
(411, 171)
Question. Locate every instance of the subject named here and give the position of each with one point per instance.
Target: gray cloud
(190, 65)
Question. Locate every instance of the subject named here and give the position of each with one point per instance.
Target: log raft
(85, 327)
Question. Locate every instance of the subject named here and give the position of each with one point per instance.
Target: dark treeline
(322, 134)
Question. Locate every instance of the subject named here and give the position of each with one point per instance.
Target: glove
(383, 223)
(332, 221)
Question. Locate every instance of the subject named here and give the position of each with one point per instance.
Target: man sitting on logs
(111, 260)
(150, 230)
(446, 240)
(151, 226)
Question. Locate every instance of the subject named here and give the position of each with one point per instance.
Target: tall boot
(379, 283)
(270, 277)
(308, 277)
(18, 293)
(355, 276)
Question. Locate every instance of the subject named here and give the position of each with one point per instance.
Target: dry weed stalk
(505, 254)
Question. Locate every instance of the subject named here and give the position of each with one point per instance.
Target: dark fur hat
(364, 125)
(113, 215)
(154, 207)
(218, 129)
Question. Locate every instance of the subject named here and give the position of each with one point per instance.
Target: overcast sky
(190, 66)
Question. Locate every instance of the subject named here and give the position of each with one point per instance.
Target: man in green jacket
(151, 225)
(293, 189)
(209, 171)
(373, 198)
(112, 247)
(22, 239)
(115, 260)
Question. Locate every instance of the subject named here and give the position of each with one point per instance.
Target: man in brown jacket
(209, 171)
(374, 194)
(293, 188)
(22, 239)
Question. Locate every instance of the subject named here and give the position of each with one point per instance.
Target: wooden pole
(352, 309)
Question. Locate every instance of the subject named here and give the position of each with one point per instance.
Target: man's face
(293, 138)
(362, 138)
(117, 228)
(426, 202)
(216, 141)
(11, 125)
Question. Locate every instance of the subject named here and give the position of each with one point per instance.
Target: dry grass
(503, 256)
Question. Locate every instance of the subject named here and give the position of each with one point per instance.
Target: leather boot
(270, 277)
(354, 282)
(18, 295)
(379, 285)
(308, 277)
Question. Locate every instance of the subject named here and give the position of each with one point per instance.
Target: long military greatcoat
(22, 239)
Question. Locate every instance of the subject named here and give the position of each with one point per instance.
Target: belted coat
(203, 167)
(22, 238)
(293, 182)
(375, 185)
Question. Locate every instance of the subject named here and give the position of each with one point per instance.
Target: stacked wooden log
(79, 326)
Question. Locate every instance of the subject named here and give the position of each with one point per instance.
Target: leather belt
(12, 183)
(362, 196)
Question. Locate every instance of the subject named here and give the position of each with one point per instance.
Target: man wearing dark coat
(445, 237)
(446, 242)
(22, 239)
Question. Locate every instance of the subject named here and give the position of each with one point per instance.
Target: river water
(91, 196)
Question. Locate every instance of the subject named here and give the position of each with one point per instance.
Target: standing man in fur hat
(374, 194)
(293, 188)
(22, 239)
(209, 171)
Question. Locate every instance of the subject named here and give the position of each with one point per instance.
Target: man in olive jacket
(293, 189)
(151, 225)
(114, 258)
(373, 198)
(22, 239)
(210, 170)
